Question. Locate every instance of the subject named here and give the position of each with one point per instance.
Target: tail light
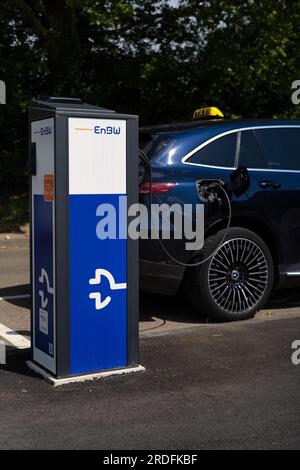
(157, 187)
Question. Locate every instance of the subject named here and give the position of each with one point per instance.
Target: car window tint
(144, 140)
(281, 147)
(157, 145)
(251, 154)
(220, 152)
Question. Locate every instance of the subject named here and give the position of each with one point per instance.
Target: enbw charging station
(83, 161)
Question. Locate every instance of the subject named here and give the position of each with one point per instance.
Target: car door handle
(268, 184)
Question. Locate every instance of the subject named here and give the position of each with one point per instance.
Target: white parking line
(14, 338)
(13, 297)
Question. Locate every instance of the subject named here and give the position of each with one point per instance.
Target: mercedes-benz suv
(257, 163)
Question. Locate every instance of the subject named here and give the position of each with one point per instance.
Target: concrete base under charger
(80, 378)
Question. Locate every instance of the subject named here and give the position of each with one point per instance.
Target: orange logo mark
(48, 188)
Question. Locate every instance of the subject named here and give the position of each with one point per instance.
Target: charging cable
(211, 186)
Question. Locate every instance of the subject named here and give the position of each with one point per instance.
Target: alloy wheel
(238, 275)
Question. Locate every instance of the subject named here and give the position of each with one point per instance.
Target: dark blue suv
(257, 163)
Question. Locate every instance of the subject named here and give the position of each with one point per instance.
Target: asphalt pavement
(206, 385)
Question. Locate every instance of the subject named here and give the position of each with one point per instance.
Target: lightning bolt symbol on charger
(45, 278)
(99, 303)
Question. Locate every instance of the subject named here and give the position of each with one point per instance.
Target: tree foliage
(159, 59)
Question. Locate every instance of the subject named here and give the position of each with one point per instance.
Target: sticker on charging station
(43, 245)
(48, 188)
(98, 264)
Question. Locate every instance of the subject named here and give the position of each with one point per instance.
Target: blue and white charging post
(83, 165)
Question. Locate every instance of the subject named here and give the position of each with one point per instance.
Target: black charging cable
(210, 186)
(147, 167)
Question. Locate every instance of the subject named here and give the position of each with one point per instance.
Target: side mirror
(239, 181)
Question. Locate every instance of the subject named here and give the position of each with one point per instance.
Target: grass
(14, 212)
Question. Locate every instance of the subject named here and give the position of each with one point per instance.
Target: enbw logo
(110, 130)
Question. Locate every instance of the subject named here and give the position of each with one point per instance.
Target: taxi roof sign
(211, 112)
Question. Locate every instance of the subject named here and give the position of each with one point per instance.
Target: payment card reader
(83, 164)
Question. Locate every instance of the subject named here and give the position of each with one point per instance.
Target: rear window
(158, 145)
(167, 147)
(221, 152)
(144, 140)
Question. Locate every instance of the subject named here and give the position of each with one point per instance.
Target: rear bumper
(161, 278)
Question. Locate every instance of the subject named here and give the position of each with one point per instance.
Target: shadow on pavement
(16, 362)
(177, 308)
(8, 293)
(166, 308)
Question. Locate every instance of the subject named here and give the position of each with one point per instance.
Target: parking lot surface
(206, 385)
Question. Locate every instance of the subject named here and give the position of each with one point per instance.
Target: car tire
(236, 280)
